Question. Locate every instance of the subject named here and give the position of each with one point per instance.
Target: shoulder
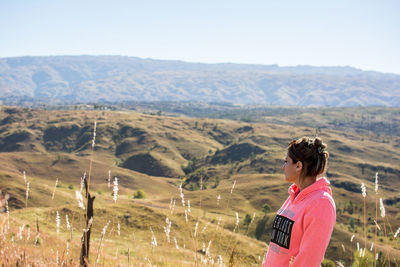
(322, 200)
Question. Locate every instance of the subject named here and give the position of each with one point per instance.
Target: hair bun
(312, 153)
(317, 142)
(319, 145)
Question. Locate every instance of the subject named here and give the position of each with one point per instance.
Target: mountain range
(114, 79)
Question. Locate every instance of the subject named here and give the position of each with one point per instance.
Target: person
(303, 225)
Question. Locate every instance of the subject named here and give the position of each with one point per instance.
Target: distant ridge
(95, 79)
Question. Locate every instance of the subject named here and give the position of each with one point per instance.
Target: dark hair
(311, 152)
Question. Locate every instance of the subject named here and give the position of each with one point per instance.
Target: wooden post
(84, 259)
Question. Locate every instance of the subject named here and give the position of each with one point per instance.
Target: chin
(289, 180)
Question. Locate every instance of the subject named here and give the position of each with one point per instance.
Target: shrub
(217, 180)
(139, 194)
(328, 263)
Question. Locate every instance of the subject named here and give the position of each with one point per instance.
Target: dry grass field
(155, 155)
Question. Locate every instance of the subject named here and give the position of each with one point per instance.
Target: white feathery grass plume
(220, 261)
(339, 264)
(218, 199)
(204, 248)
(358, 246)
(252, 219)
(203, 259)
(186, 216)
(119, 229)
(21, 229)
(67, 248)
(109, 178)
(237, 219)
(24, 173)
(344, 250)
(363, 190)
(103, 232)
(176, 243)
(27, 191)
(54, 190)
(397, 233)
(67, 221)
(58, 259)
(352, 237)
(29, 234)
(94, 134)
(218, 222)
(362, 252)
(182, 195)
(167, 228)
(205, 227)
(188, 202)
(372, 246)
(153, 239)
(376, 256)
(382, 208)
(170, 204)
(376, 183)
(115, 189)
(377, 225)
(58, 221)
(233, 186)
(208, 249)
(82, 181)
(79, 197)
(195, 229)
(173, 207)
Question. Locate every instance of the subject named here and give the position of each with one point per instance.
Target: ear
(299, 166)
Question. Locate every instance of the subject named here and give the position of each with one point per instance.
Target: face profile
(291, 169)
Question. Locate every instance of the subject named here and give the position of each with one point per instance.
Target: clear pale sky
(363, 34)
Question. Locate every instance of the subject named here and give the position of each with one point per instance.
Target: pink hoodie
(302, 227)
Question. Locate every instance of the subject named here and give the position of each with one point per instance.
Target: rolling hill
(157, 153)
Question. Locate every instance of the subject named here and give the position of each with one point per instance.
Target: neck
(305, 182)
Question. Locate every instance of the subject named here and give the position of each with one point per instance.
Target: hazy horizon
(360, 34)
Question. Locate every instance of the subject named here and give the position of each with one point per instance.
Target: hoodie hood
(322, 184)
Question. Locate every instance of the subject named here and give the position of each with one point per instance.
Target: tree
(351, 223)
(260, 228)
(266, 208)
(247, 219)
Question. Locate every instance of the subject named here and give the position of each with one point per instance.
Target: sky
(364, 34)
